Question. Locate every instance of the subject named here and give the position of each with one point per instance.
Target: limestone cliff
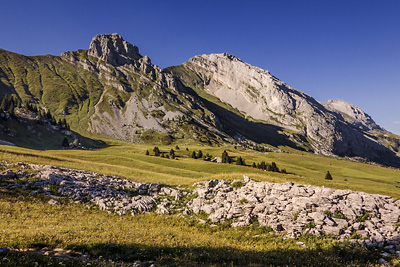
(330, 129)
(112, 90)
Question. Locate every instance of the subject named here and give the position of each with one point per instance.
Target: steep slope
(110, 90)
(264, 98)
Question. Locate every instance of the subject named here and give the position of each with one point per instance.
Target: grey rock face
(330, 128)
(352, 114)
(113, 49)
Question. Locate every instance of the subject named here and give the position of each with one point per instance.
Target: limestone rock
(332, 127)
(352, 114)
(113, 49)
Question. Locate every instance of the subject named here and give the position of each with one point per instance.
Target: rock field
(289, 209)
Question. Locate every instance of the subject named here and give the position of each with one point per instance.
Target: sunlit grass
(130, 161)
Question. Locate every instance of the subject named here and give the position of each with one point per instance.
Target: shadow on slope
(37, 135)
(235, 125)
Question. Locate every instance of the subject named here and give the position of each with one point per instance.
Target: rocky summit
(112, 90)
(113, 49)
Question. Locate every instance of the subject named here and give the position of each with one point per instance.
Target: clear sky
(345, 49)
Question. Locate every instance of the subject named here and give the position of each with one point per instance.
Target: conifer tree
(156, 151)
(273, 168)
(328, 176)
(240, 161)
(200, 154)
(194, 155)
(65, 142)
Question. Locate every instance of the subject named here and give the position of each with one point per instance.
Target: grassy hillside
(168, 240)
(130, 161)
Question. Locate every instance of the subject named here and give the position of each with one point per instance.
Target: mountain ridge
(111, 89)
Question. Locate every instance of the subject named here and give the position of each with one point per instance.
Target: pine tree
(172, 152)
(200, 154)
(194, 155)
(273, 168)
(147, 153)
(156, 151)
(240, 161)
(328, 176)
(225, 157)
(263, 165)
(254, 165)
(65, 142)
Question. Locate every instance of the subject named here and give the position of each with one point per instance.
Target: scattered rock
(286, 208)
(53, 202)
(8, 174)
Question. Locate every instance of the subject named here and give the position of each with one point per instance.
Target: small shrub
(243, 201)
(309, 225)
(363, 218)
(296, 216)
(328, 213)
(237, 184)
(338, 215)
(147, 153)
(354, 235)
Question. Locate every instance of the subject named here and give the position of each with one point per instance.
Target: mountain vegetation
(112, 91)
(211, 118)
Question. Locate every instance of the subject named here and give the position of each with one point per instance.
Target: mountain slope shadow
(235, 125)
(40, 135)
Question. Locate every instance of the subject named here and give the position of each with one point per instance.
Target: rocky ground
(289, 209)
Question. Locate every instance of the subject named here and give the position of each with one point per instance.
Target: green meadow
(129, 161)
(28, 221)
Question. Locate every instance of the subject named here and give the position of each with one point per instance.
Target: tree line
(9, 103)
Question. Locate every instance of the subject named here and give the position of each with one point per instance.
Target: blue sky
(344, 49)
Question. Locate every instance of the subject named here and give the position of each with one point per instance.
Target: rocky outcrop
(113, 49)
(286, 208)
(297, 209)
(352, 114)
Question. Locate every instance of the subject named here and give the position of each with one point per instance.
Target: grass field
(27, 221)
(130, 161)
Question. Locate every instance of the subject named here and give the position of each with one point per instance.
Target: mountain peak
(352, 114)
(113, 49)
